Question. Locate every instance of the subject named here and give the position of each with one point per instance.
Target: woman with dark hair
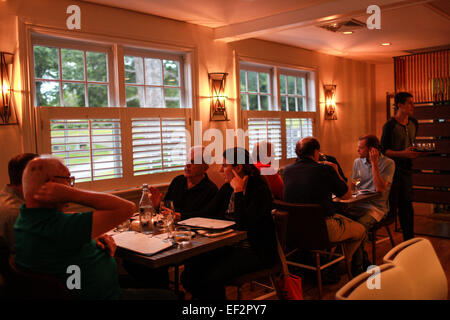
(246, 199)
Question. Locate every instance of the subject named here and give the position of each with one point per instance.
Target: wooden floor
(423, 224)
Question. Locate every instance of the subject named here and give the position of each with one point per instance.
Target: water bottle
(146, 211)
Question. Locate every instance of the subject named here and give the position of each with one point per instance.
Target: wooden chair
(280, 221)
(33, 286)
(272, 273)
(385, 223)
(306, 230)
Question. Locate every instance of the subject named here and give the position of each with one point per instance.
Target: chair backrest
(306, 227)
(393, 283)
(29, 285)
(418, 258)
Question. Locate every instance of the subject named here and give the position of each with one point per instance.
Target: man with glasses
(189, 192)
(49, 241)
(192, 190)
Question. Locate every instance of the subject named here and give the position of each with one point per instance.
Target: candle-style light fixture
(330, 101)
(217, 82)
(6, 105)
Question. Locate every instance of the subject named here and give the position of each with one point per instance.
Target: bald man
(49, 241)
(310, 181)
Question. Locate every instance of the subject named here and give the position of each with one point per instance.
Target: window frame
(129, 51)
(258, 69)
(311, 85)
(116, 50)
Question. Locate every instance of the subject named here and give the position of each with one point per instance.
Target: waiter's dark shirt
(307, 181)
(398, 137)
(189, 200)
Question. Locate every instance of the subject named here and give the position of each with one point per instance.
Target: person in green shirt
(51, 242)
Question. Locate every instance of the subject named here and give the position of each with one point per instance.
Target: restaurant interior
(141, 81)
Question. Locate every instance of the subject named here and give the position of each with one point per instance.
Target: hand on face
(374, 155)
(237, 182)
(54, 193)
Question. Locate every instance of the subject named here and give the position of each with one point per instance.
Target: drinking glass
(182, 235)
(356, 180)
(124, 226)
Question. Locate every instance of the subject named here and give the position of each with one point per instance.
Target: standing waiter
(397, 139)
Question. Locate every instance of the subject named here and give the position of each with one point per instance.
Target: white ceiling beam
(316, 14)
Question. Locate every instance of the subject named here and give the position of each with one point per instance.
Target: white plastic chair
(394, 284)
(418, 258)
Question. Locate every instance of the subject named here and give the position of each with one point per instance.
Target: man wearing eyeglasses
(192, 190)
(48, 241)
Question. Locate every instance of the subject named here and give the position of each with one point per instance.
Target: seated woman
(263, 153)
(246, 199)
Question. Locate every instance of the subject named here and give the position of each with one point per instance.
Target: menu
(207, 223)
(140, 242)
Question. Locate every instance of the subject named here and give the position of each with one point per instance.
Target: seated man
(192, 190)
(189, 192)
(375, 172)
(308, 181)
(49, 241)
(11, 198)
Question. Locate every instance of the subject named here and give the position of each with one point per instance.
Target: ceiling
(406, 24)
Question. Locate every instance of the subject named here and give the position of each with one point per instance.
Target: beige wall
(358, 83)
(384, 79)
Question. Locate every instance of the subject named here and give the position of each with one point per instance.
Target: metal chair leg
(390, 236)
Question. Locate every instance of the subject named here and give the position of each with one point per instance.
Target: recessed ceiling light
(347, 32)
(386, 44)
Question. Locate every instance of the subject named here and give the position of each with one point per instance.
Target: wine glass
(168, 217)
(356, 181)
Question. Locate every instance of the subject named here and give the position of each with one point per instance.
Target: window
(265, 129)
(91, 149)
(292, 93)
(158, 145)
(70, 78)
(255, 90)
(295, 130)
(152, 82)
(82, 122)
(281, 111)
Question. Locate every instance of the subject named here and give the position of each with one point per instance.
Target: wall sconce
(217, 96)
(6, 106)
(330, 101)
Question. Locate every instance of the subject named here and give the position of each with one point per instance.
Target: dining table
(177, 254)
(357, 198)
(344, 204)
